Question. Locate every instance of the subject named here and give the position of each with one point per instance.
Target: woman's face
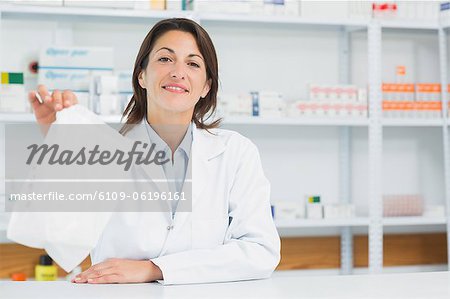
(175, 77)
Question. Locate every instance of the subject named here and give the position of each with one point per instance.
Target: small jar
(46, 271)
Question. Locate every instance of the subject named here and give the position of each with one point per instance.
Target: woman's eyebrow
(173, 52)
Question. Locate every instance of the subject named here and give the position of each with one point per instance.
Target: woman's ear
(141, 79)
(206, 88)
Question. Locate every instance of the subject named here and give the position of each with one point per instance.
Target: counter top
(412, 285)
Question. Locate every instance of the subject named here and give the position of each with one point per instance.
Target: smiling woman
(229, 234)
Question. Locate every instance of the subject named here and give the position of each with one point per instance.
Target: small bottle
(46, 271)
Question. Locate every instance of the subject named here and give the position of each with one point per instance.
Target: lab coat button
(170, 227)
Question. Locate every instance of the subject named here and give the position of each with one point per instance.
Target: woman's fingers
(43, 91)
(33, 100)
(111, 278)
(57, 100)
(98, 270)
(69, 98)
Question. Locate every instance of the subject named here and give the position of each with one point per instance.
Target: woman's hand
(46, 112)
(120, 271)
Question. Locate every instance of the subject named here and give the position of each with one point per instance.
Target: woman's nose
(178, 71)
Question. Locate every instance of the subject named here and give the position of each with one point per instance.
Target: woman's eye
(164, 59)
(194, 64)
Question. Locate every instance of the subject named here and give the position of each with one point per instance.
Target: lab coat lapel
(152, 171)
(205, 147)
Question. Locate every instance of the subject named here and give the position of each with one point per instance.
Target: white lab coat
(228, 236)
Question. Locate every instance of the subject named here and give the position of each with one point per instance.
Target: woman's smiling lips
(176, 88)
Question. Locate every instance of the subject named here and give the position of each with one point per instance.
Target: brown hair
(205, 108)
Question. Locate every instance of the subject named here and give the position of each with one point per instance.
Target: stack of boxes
(312, 208)
(13, 97)
(75, 68)
(127, 4)
(255, 103)
(403, 205)
(332, 101)
(421, 100)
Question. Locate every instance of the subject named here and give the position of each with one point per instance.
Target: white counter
(416, 285)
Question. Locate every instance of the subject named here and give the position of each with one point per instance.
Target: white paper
(68, 237)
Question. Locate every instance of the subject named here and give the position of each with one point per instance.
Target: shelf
(304, 121)
(359, 221)
(38, 12)
(273, 19)
(410, 24)
(9, 11)
(445, 23)
(7, 117)
(419, 220)
(412, 122)
(308, 223)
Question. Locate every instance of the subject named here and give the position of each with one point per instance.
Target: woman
(229, 235)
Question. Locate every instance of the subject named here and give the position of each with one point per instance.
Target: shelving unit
(419, 220)
(412, 122)
(359, 222)
(374, 123)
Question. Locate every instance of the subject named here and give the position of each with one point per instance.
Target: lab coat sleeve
(251, 248)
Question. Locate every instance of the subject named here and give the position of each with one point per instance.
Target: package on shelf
(327, 109)
(157, 4)
(403, 205)
(314, 208)
(331, 100)
(101, 4)
(267, 104)
(428, 92)
(448, 99)
(281, 7)
(235, 104)
(445, 10)
(406, 10)
(360, 9)
(83, 98)
(338, 211)
(105, 95)
(409, 100)
(13, 97)
(347, 93)
(125, 87)
(412, 109)
(288, 210)
(434, 211)
(292, 7)
(38, 2)
(398, 92)
(384, 10)
(424, 10)
(324, 9)
(175, 5)
(98, 58)
(73, 67)
(225, 6)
